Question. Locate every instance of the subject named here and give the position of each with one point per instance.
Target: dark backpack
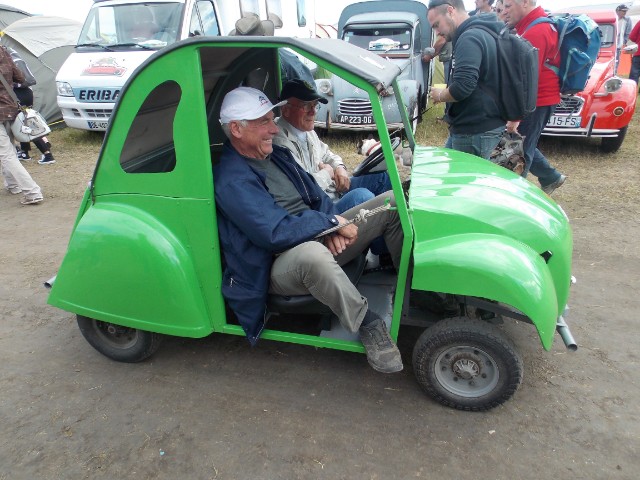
(517, 91)
(579, 41)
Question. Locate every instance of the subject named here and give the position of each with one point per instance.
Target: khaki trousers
(310, 268)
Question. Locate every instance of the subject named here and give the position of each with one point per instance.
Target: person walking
(25, 96)
(634, 36)
(16, 178)
(624, 30)
(475, 123)
(519, 14)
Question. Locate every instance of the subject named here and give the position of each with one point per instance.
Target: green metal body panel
(144, 252)
(480, 230)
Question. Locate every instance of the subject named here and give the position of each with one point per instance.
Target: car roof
(375, 70)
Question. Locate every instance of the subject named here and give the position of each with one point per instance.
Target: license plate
(356, 119)
(97, 125)
(562, 121)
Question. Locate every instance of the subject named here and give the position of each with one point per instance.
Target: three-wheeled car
(143, 261)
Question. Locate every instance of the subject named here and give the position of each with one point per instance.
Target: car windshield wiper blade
(104, 47)
(130, 44)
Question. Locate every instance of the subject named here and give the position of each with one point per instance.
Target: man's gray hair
(227, 130)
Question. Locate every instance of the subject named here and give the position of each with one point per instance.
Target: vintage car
(481, 244)
(398, 31)
(605, 107)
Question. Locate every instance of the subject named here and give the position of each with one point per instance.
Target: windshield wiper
(131, 44)
(104, 47)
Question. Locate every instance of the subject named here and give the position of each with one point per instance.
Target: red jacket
(634, 36)
(544, 37)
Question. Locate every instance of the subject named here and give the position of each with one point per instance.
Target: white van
(118, 35)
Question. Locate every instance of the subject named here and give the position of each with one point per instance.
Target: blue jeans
(376, 183)
(362, 189)
(479, 144)
(635, 69)
(535, 162)
(352, 198)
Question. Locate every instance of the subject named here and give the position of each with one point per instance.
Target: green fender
(491, 267)
(118, 256)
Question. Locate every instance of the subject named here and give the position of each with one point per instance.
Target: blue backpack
(579, 40)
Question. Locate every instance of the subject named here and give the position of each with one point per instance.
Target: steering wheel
(372, 161)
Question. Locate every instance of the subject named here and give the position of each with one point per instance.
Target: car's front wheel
(467, 364)
(612, 144)
(119, 343)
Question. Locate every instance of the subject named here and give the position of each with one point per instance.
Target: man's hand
(328, 168)
(512, 127)
(341, 179)
(438, 95)
(339, 241)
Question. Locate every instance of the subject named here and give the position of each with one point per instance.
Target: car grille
(354, 106)
(569, 106)
(93, 112)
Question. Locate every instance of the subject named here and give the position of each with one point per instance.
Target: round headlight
(324, 86)
(612, 85)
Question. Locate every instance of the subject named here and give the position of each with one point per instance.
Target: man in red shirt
(519, 14)
(635, 61)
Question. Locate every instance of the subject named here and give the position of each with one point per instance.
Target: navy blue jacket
(253, 228)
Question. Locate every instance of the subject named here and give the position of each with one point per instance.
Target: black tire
(122, 344)
(467, 364)
(612, 144)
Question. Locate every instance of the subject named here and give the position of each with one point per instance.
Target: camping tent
(44, 43)
(8, 15)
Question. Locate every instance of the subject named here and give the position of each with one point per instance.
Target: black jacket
(475, 66)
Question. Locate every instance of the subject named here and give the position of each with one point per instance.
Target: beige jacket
(318, 152)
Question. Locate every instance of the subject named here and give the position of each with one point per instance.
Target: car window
(606, 35)
(380, 39)
(149, 145)
(208, 18)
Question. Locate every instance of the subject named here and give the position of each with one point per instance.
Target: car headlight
(64, 89)
(324, 86)
(613, 85)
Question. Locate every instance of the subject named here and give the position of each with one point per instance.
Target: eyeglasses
(437, 3)
(307, 107)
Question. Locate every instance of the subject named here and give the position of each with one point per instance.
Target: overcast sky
(327, 11)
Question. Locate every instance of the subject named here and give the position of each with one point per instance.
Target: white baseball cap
(245, 103)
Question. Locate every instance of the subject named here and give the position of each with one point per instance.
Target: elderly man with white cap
(270, 212)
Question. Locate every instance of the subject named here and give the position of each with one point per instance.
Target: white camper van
(118, 35)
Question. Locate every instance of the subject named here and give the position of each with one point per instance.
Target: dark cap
(622, 6)
(302, 90)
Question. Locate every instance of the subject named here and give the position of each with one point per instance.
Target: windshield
(606, 34)
(131, 26)
(380, 39)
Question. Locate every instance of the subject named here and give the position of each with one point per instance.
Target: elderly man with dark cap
(270, 213)
(297, 134)
(624, 30)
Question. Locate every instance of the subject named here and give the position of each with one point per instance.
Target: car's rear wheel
(119, 343)
(467, 364)
(612, 144)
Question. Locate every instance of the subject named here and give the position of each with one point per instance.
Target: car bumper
(588, 131)
(85, 116)
(355, 127)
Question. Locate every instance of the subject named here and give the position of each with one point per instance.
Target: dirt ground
(217, 409)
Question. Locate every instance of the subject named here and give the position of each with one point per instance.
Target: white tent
(9, 14)
(44, 43)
